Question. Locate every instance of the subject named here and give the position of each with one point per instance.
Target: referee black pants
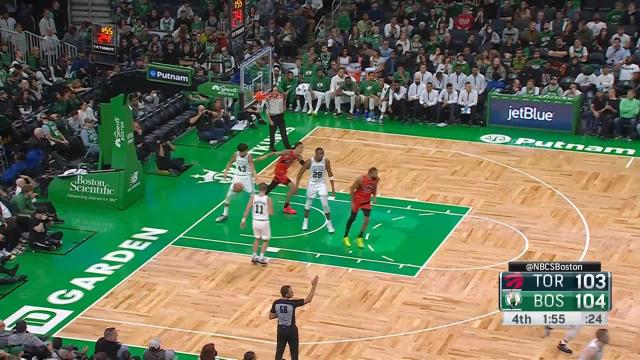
(278, 124)
(287, 335)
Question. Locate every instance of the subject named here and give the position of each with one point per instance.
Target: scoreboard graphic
(537, 293)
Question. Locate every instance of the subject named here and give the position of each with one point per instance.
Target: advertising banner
(214, 90)
(119, 182)
(545, 113)
(170, 74)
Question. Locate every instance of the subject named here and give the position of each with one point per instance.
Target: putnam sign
(169, 74)
(557, 145)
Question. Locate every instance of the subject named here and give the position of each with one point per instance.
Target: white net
(255, 75)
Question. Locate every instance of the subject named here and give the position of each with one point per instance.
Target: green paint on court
(401, 237)
(62, 285)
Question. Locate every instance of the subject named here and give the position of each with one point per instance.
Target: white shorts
(316, 94)
(245, 181)
(314, 190)
(261, 230)
(302, 89)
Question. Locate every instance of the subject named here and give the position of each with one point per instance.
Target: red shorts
(357, 204)
(282, 178)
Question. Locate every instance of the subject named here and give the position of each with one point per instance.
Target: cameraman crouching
(164, 160)
(210, 125)
(39, 234)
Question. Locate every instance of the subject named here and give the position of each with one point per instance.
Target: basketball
(260, 95)
(237, 187)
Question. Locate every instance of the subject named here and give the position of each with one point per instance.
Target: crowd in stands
(436, 61)
(18, 343)
(47, 123)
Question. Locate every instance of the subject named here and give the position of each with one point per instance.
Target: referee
(284, 310)
(275, 114)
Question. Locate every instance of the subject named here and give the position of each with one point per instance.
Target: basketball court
(451, 214)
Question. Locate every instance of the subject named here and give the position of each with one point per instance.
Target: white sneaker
(309, 112)
(263, 260)
(221, 218)
(297, 109)
(442, 124)
(305, 225)
(330, 228)
(254, 259)
(213, 142)
(315, 113)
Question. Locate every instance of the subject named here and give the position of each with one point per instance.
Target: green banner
(214, 89)
(170, 74)
(555, 300)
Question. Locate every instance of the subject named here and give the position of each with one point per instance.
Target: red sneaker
(289, 210)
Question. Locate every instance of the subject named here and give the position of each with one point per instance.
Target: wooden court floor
(568, 206)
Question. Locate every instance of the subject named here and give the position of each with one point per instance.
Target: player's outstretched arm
(331, 180)
(267, 155)
(304, 168)
(253, 167)
(229, 164)
(243, 223)
(312, 292)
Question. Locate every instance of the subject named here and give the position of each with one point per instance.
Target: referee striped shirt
(285, 310)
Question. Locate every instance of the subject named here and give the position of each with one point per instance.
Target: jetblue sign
(529, 113)
(174, 75)
(544, 115)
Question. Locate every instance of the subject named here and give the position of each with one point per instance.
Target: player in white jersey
(242, 179)
(595, 349)
(261, 208)
(317, 186)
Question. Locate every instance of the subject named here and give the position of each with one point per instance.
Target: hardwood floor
(190, 297)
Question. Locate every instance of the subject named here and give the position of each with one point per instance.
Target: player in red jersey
(287, 157)
(363, 193)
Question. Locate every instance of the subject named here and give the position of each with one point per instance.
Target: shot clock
(539, 293)
(104, 43)
(236, 24)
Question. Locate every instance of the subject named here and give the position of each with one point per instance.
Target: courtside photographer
(39, 235)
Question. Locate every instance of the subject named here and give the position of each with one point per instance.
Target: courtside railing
(320, 30)
(50, 49)
(335, 9)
